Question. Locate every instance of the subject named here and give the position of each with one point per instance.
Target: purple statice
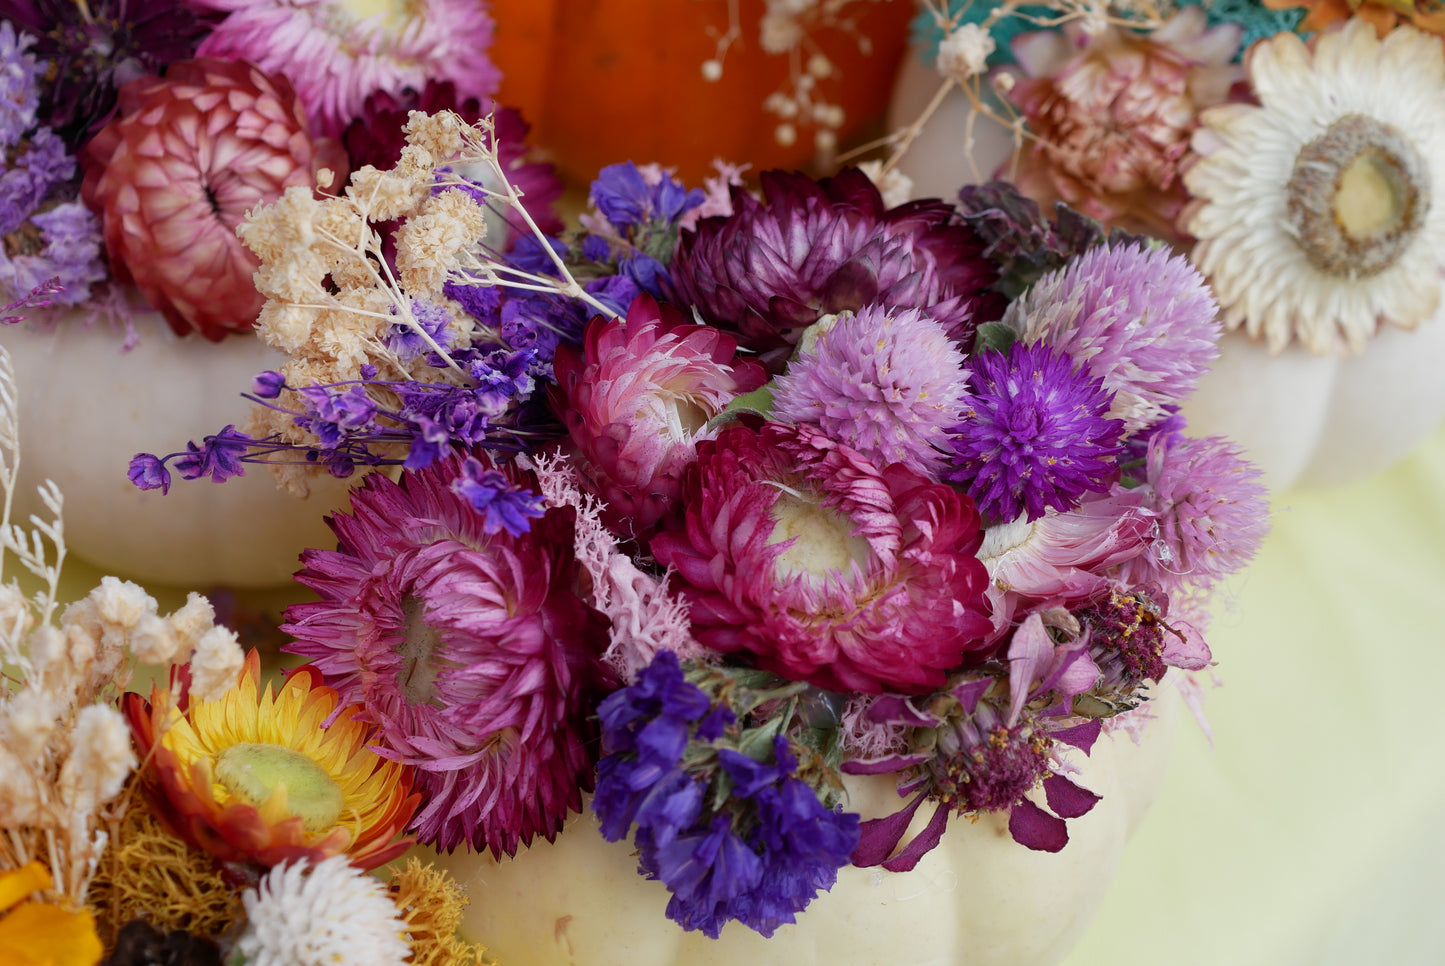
(1034, 434)
(733, 835)
(64, 245)
(408, 342)
(502, 504)
(332, 415)
(20, 73)
(32, 177)
(1141, 319)
(218, 456)
(1211, 509)
(889, 383)
(812, 248)
(94, 48)
(629, 199)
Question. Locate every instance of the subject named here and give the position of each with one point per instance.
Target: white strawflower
(965, 52)
(301, 915)
(1316, 209)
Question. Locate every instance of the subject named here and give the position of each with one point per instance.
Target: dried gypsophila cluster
(962, 63)
(65, 752)
(332, 296)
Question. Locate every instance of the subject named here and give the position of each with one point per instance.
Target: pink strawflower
(636, 399)
(1113, 111)
(1140, 319)
(175, 173)
(887, 383)
(471, 651)
(825, 568)
(1211, 508)
(336, 58)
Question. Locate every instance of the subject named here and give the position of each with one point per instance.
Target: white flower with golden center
(1314, 210)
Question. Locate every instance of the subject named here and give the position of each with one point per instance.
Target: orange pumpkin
(603, 81)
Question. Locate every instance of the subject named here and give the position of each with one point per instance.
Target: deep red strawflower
(472, 652)
(810, 248)
(825, 568)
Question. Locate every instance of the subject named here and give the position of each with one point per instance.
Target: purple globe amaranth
(468, 646)
(1035, 434)
(811, 248)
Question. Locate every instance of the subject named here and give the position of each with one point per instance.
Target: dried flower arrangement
(908, 494)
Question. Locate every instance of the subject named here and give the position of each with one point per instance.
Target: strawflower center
(682, 417)
(417, 650)
(824, 542)
(254, 772)
(1357, 197)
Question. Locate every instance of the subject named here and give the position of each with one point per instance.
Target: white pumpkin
(87, 407)
(1305, 420)
(978, 899)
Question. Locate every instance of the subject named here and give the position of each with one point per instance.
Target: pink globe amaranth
(797, 550)
(185, 159)
(809, 248)
(473, 653)
(636, 398)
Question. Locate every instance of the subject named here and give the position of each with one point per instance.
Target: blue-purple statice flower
(502, 505)
(46, 233)
(354, 427)
(1035, 434)
(629, 199)
(733, 835)
(408, 342)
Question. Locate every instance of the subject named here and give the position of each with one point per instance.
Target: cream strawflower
(301, 915)
(1314, 209)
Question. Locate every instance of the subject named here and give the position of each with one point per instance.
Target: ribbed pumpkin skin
(978, 899)
(603, 81)
(87, 407)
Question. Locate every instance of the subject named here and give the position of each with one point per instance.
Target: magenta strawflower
(1211, 508)
(471, 650)
(825, 568)
(811, 248)
(887, 383)
(337, 58)
(1141, 319)
(1034, 435)
(636, 399)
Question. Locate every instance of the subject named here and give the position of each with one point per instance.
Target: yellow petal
(19, 883)
(39, 934)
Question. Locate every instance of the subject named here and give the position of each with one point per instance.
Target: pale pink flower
(1113, 112)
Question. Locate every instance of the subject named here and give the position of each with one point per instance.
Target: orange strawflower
(259, 777)
(1383, 15)
(41, 933)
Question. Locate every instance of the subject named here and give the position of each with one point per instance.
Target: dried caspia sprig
(65, 752)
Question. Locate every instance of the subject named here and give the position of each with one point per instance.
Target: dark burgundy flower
(810, 248)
